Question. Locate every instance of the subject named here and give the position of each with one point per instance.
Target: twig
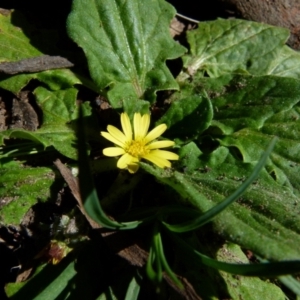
(35, 64)
(187, 18)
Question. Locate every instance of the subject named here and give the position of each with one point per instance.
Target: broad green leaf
(58, 128)
(20, 188)
(248, 112)
(205, 274)
(24, 42)
(284, 161)
(252, 221)
(132, 106)
(265, 269)
(251, 113)
(188, 117)
(54, 79)
(241, 287)
(126, 44)
(231, 259)
(210, 214)
(245, 109)
(238, 46)
(15, 44)
(250, 101)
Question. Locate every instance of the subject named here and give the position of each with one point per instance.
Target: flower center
(137, 148)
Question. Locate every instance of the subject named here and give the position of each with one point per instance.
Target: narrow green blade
(267, 269)
(210, 214)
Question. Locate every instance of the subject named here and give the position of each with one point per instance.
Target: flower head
(136, 144)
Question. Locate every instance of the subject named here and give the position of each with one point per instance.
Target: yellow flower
(133, 146)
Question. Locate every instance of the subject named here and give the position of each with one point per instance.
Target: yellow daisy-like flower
(133, 146)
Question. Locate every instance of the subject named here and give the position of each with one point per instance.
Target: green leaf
(251, 112)
(268, 269)
(132, 106)
(108, 295)
(250, 101)
(207, 280)
(157, 262)
(58, 286)
(245, 287)
(251, 228)
(57, 130)
(12, 288)
(229, 286)
(13, 39)
(238, 46)
(126, 45)
(291, 283)
(20, 188)
(53, 79)
(210, 214)
(154, 266)
(16, 43)
(153, 275)
(49, 283)
(284, 161)
(188, 117)
(161, 256)
(248, 112)
(134, 287)
(128, 288)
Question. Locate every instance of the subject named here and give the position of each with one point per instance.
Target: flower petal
(157, 160)
(126, 126)
(145, 122)
(155, 132)
(117, 134)
(113, 151)
(137, 125)
(109, 137)
(125, 160)
(160, 144)
(132, 168)
(165, 154)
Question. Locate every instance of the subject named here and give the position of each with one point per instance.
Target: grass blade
(210, 214)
